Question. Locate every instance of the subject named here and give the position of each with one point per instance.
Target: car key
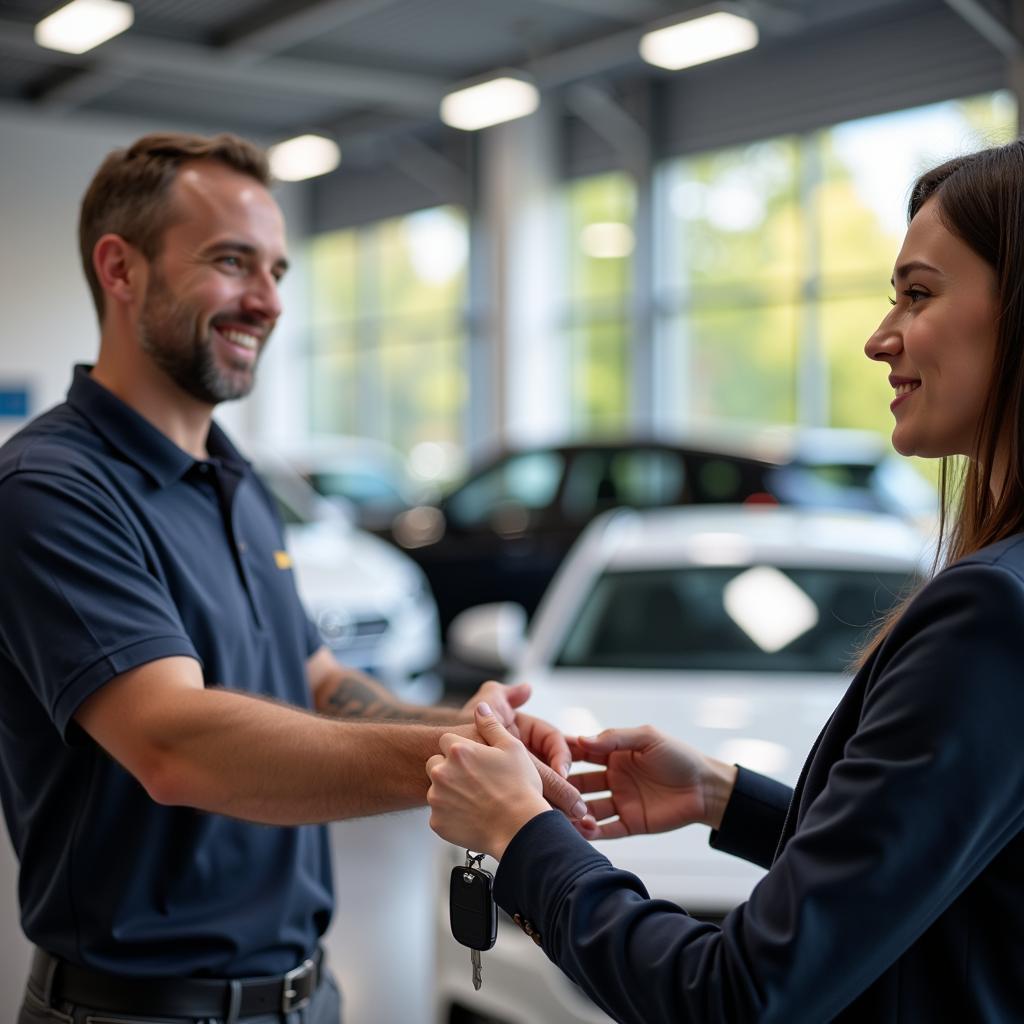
(471, 910)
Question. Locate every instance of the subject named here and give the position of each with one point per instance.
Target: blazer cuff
(753, 818)
(548, 845)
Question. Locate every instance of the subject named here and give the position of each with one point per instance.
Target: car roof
(768, 445)
(740, 535)
(735, 448)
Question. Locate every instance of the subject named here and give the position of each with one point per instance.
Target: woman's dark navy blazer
(896, 883)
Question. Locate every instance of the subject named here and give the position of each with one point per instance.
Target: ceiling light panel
(489, 103)
(698, 40)
(83, 24)
(305, 156)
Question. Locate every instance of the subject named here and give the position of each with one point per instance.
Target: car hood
(335, 563)
(767, 722)
(770, 718)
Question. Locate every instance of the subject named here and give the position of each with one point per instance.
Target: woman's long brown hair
(980, 199)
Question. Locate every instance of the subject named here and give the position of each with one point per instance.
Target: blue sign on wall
(14, 402)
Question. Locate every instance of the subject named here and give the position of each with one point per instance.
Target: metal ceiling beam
(607, 118)
(252, 41)
(620, 48)
(134, 55)
(431, 169)
(629, 11)
(988, 25)
(576, 62)
(273, 30)
(110, 121)
(77, 90)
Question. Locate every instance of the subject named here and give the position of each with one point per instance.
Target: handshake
(491, 778)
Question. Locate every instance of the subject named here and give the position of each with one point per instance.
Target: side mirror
(489, 635)
(337, 510)
(418, 527)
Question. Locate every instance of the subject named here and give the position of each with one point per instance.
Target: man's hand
(656, 783)
(480, 795)
(542, 739)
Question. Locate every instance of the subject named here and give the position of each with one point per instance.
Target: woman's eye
(914, 294)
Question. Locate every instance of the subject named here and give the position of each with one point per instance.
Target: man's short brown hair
(129, 194)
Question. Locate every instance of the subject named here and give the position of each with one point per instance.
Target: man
(165, 699)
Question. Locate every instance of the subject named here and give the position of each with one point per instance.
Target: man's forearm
(351, 694)
(234, 754)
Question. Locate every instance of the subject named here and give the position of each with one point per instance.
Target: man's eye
(229, 261)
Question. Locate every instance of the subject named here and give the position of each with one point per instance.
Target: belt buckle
(295, 994)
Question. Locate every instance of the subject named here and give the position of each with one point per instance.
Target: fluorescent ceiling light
(698, 40)
(83, 24)
(305, 156)
(607, 241)
(491, 102)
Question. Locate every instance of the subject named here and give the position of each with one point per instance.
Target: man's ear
(120, 268)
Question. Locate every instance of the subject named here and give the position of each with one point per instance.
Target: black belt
(55, 980)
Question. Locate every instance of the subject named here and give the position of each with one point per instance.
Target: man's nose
(263, 296)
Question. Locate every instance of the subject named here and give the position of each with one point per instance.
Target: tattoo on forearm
(352, 697)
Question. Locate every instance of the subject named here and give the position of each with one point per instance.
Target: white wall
(48, 321)
(48, 324)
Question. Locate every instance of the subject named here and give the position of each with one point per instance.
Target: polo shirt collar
(136, 438)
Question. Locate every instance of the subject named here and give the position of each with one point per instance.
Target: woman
(896, 882)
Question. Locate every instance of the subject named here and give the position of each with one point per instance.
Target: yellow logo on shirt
(283, 560)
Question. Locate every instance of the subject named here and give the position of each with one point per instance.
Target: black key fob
(471, 909)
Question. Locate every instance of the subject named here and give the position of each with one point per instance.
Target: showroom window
(774, 259)
(599, 212)
(730, 270)
(866, 170)
(388, 329)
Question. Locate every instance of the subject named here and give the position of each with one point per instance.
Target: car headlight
(336, 625)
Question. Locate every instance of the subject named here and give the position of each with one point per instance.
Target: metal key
(471, 910)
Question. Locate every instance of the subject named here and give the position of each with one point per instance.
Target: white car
(371, 476)
(729, 628)
(371, 603)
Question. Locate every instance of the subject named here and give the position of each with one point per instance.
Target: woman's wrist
(718, 786)
(513, 822)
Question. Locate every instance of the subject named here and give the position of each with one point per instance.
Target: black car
(502, 533)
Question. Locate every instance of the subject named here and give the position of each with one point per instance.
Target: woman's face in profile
(938, 339)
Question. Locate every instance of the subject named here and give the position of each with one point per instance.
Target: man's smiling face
(212, 297)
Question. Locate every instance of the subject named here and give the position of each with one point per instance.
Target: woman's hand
(481, 794)
(542, 739)
(656, 783)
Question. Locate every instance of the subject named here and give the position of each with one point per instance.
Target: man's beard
(170, 335)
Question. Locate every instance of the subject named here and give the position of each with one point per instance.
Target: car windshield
(361, 488)
(756, 618)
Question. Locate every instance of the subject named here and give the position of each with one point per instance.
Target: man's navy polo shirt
(118, 548)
